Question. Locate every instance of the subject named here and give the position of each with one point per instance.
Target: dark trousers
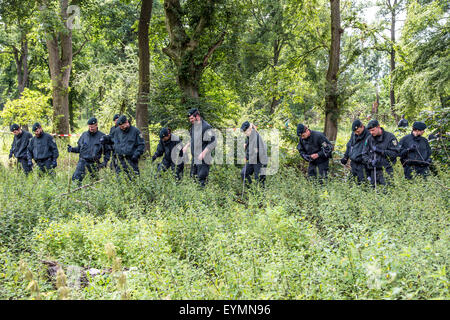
(359, 171)
(380, 176)
(322, 167)
(125, 162)
(80, 170)
(24, 163)
(45, 166)
(163, 166)
(419, 170)
(201, 172)
(253, 169)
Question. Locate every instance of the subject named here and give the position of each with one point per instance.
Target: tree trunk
(331, 98)
(277, 46)
(144, 71)
(392, 54)
(59, 46)
(183, 48)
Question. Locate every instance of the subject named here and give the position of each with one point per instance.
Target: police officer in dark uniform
(129, 145)
(403, 123)
(255, 154)
(202, 143)
(380, 151)
(415, 151)
(42, 148)
(315, 148)
(19, 147)
(171, 147)
(91, 150)
(354, 151)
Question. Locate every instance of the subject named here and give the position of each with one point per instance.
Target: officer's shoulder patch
(394, 142)
(324, 144)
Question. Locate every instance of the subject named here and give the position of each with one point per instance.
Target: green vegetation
(166, 240)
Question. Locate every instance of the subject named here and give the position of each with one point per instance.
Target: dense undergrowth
(296, 239)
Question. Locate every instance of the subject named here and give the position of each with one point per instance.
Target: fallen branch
(82, 187)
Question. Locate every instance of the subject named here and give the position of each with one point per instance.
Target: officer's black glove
(30, 163)
(69, 148)
(344, 161)
(154, 158)
(374, 162)
(106, 139)
(54, 164)
(10, 155)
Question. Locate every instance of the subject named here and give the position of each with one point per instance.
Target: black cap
(356, 124)
(164, 132)
(245, 126)
(92, 121)
(419, 125)
(116, 116)
(121, 120)
(372, 124)
(36, 126)
(301, 128)
(193, 112)
(14, 127)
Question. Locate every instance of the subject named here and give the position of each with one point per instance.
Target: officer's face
(16, 132)
(194, 119)
(248, 132)
(166, 138)
(124, 126)
(375, 131)
(306, 134)
(418, 133)
(359, 130)
(38, 132)
(93, 127)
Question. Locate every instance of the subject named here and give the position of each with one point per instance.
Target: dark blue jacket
(90, 148)
(355, 146)
(42, 147)
(208, 138)
(128, 142)
(165, 148)
(20, 145)
(318, 143)
(255, 144)
(387, 144)
(415, 157)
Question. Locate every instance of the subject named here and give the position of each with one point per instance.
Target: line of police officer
(370, 149)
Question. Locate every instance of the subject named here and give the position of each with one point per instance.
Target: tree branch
(213, 48)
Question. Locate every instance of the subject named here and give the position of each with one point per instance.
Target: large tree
(144, 71)
(196, 30)
(58, 36)
(331, 95)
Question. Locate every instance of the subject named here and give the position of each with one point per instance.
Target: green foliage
(295, 239)
(32, 106)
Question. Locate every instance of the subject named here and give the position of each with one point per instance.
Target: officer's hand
(54, 163)
(69, 148)
(153, 158)
(344, 161)
(314, 156)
